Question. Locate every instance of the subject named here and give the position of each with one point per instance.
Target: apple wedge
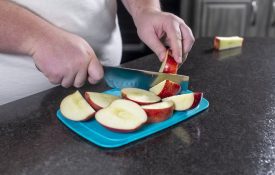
(122, 116)
(185, 101)
(75, 107)
(222, 43)
(169, 65)
(158, 112)
(166, 88)
(99, 100)
(139, 96)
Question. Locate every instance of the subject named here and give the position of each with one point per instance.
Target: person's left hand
(154, 25)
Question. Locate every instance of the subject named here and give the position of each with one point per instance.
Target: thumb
(95, 71)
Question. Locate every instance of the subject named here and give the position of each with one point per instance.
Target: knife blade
(120, 77)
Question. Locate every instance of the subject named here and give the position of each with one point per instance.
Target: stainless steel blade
(119, 77)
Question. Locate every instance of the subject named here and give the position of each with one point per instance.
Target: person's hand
(66, 59)
(153, 25)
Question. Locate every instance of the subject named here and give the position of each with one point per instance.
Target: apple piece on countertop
(99, 100)
(169, 65)
(76, 108)
(185, 101)
(139, 96)
(222, 43)
(166, 88)
(159, 112)
(122, 116)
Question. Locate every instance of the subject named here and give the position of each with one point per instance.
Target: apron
(94, 20)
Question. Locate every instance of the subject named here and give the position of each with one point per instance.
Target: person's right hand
(66, 59)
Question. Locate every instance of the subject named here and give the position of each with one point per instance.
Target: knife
(119, 77)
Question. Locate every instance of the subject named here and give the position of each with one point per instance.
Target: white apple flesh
(122, 116)
(99, 100)
(140, 96)
(158, 112)
(185, 101)
(76, 108)
(166, 88)
(222, 43)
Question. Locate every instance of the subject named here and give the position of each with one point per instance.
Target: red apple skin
(123, 95)
(216, 43)
(91, 103)
(197, 99)
(170, 88)
(122, 130)
(88, 118)
(158, 115)
(171, 65)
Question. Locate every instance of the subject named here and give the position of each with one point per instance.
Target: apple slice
(158, 112)
(122, 116)
(185, 101)
(139, 96)
(169, 65)
(99, 100)
(75, 107)
(221, 43)
(166, 88)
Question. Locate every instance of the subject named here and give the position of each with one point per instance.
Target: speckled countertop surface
(236, 135)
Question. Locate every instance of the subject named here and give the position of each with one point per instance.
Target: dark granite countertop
(236, 135)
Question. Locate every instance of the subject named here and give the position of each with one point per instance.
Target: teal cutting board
(97, 134)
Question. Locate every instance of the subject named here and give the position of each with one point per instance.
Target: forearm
(135, 7)
(20, 29)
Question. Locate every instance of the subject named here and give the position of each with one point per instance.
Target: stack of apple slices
(125, 115)
(136, 107)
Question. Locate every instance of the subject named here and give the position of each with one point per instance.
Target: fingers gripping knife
(119, 77)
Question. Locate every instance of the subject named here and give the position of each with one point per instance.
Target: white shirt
(94, 20)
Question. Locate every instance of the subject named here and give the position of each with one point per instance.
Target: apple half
(99, 100)
(76, 108)
(166, 88)
(139, 96)
(158, 112)
(169, 65)
(122, 116)
(185, 101)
